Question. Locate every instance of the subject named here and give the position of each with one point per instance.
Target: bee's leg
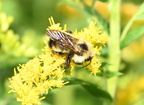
(68, 59)
(50, 43)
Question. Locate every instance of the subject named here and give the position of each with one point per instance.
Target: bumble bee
(77, 50)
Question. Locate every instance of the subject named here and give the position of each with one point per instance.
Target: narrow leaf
(139, 102)
(140, 16)
(103, 0)
(140, 13)
(141, 8)
(73, 4)
(96, 91)
(100, 20)
(110, 74)
(88, 12)
(131, 36)
(93, 89)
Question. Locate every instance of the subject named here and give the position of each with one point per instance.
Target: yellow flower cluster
(93, 35)
(36, 77)
(11, 43)
(5, 21)
(33, 79)
(98, 39)
(55, 26)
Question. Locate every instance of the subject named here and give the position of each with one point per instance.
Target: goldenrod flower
(5, 22)
(97, 38)
(92, 34)
(36, 77)
(55, 26)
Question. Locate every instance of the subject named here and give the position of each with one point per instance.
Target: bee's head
(83, 46)
(86, 53)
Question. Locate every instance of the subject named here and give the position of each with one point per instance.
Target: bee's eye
(83, 46)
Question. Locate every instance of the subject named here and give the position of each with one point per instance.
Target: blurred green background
(25, 37)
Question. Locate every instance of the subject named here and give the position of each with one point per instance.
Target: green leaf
(89, 12)
(139, 102)
(93, 89)
(100, 20)
(96, 91)
(103, 0)
(141, 8)
(73, 4)
(140, 16)
(109, 74)
(140, 13)
(113, 74)
(131, 36)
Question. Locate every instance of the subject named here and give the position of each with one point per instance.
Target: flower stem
(114, 44)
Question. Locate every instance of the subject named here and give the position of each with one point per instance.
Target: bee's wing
(63, 39)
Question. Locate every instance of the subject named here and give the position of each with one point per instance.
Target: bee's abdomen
(57, 48)
(51, 43)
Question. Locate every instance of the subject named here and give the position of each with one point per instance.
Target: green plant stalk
(0, 4)
(114, 44)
